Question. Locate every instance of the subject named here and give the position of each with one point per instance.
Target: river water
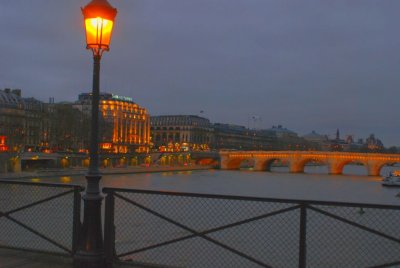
(315, 184)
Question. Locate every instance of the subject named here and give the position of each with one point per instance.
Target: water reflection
(355, 170)
(35, 180)
(316, 169)
(65, 179)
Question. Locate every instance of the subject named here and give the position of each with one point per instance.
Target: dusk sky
(305, 65)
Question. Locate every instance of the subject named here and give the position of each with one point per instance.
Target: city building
(36, 125)
(29, 125)
(172, 133)
(313, 136)
(229, 136)
(12, 120)
(124, 125)
(318, 141)
(290, 140)
(346, 144)
(282, 132)
(373, 143)
(68, 128)
(21, 121)
(181, 133)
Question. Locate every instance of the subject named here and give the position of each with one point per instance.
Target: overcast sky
(306, 65)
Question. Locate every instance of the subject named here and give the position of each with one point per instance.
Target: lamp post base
(89, 260)
(90, 253)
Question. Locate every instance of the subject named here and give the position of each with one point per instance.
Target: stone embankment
(105, 171)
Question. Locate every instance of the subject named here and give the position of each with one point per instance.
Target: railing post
(76, 222)
(109, 231)
(302, 236)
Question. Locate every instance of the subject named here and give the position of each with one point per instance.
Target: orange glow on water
(65, 179)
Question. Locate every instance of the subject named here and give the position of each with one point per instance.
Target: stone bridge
(296, 160)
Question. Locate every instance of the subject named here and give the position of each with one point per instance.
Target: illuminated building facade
(124, 125)
(173, 133)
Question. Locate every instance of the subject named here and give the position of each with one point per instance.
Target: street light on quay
(99, 18)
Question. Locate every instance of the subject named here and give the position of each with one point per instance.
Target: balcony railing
(198, 230)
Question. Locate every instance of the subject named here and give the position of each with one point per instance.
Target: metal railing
(41, 217)
(199, 230)
(166, 229)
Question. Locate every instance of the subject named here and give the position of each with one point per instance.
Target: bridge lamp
(99, 18)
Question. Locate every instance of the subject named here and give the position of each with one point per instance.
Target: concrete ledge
(10, 258)
(104, 171)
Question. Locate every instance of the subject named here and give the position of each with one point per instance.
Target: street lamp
(99, 18)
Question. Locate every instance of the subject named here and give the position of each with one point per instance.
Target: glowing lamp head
(99, 18)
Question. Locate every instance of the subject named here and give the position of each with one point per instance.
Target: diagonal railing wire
(41, 217)
(203, 234)
(142, 226)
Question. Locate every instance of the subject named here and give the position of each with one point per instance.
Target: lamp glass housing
(98, 33)
(99, 18)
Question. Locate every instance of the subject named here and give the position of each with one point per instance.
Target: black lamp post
(99, 18)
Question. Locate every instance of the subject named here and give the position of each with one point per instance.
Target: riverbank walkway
(10, 258)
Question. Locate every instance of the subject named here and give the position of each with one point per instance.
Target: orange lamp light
(99, 18)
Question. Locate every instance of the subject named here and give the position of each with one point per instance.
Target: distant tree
(69, 128)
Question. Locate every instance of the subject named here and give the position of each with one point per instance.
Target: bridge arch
(317, 161)
(247, 163)
(338, 166)
(235, 163)
(266, 164)
(375, 170)
(206, 162)
(356, 167)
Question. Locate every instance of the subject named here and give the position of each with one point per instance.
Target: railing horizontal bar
(370, 230)
(210, 231)
(248, 198)
(30, 183)
(35, 203)
(386, 265)
(39, 234)
(52, 253)
(243, 255)
(135, 264)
